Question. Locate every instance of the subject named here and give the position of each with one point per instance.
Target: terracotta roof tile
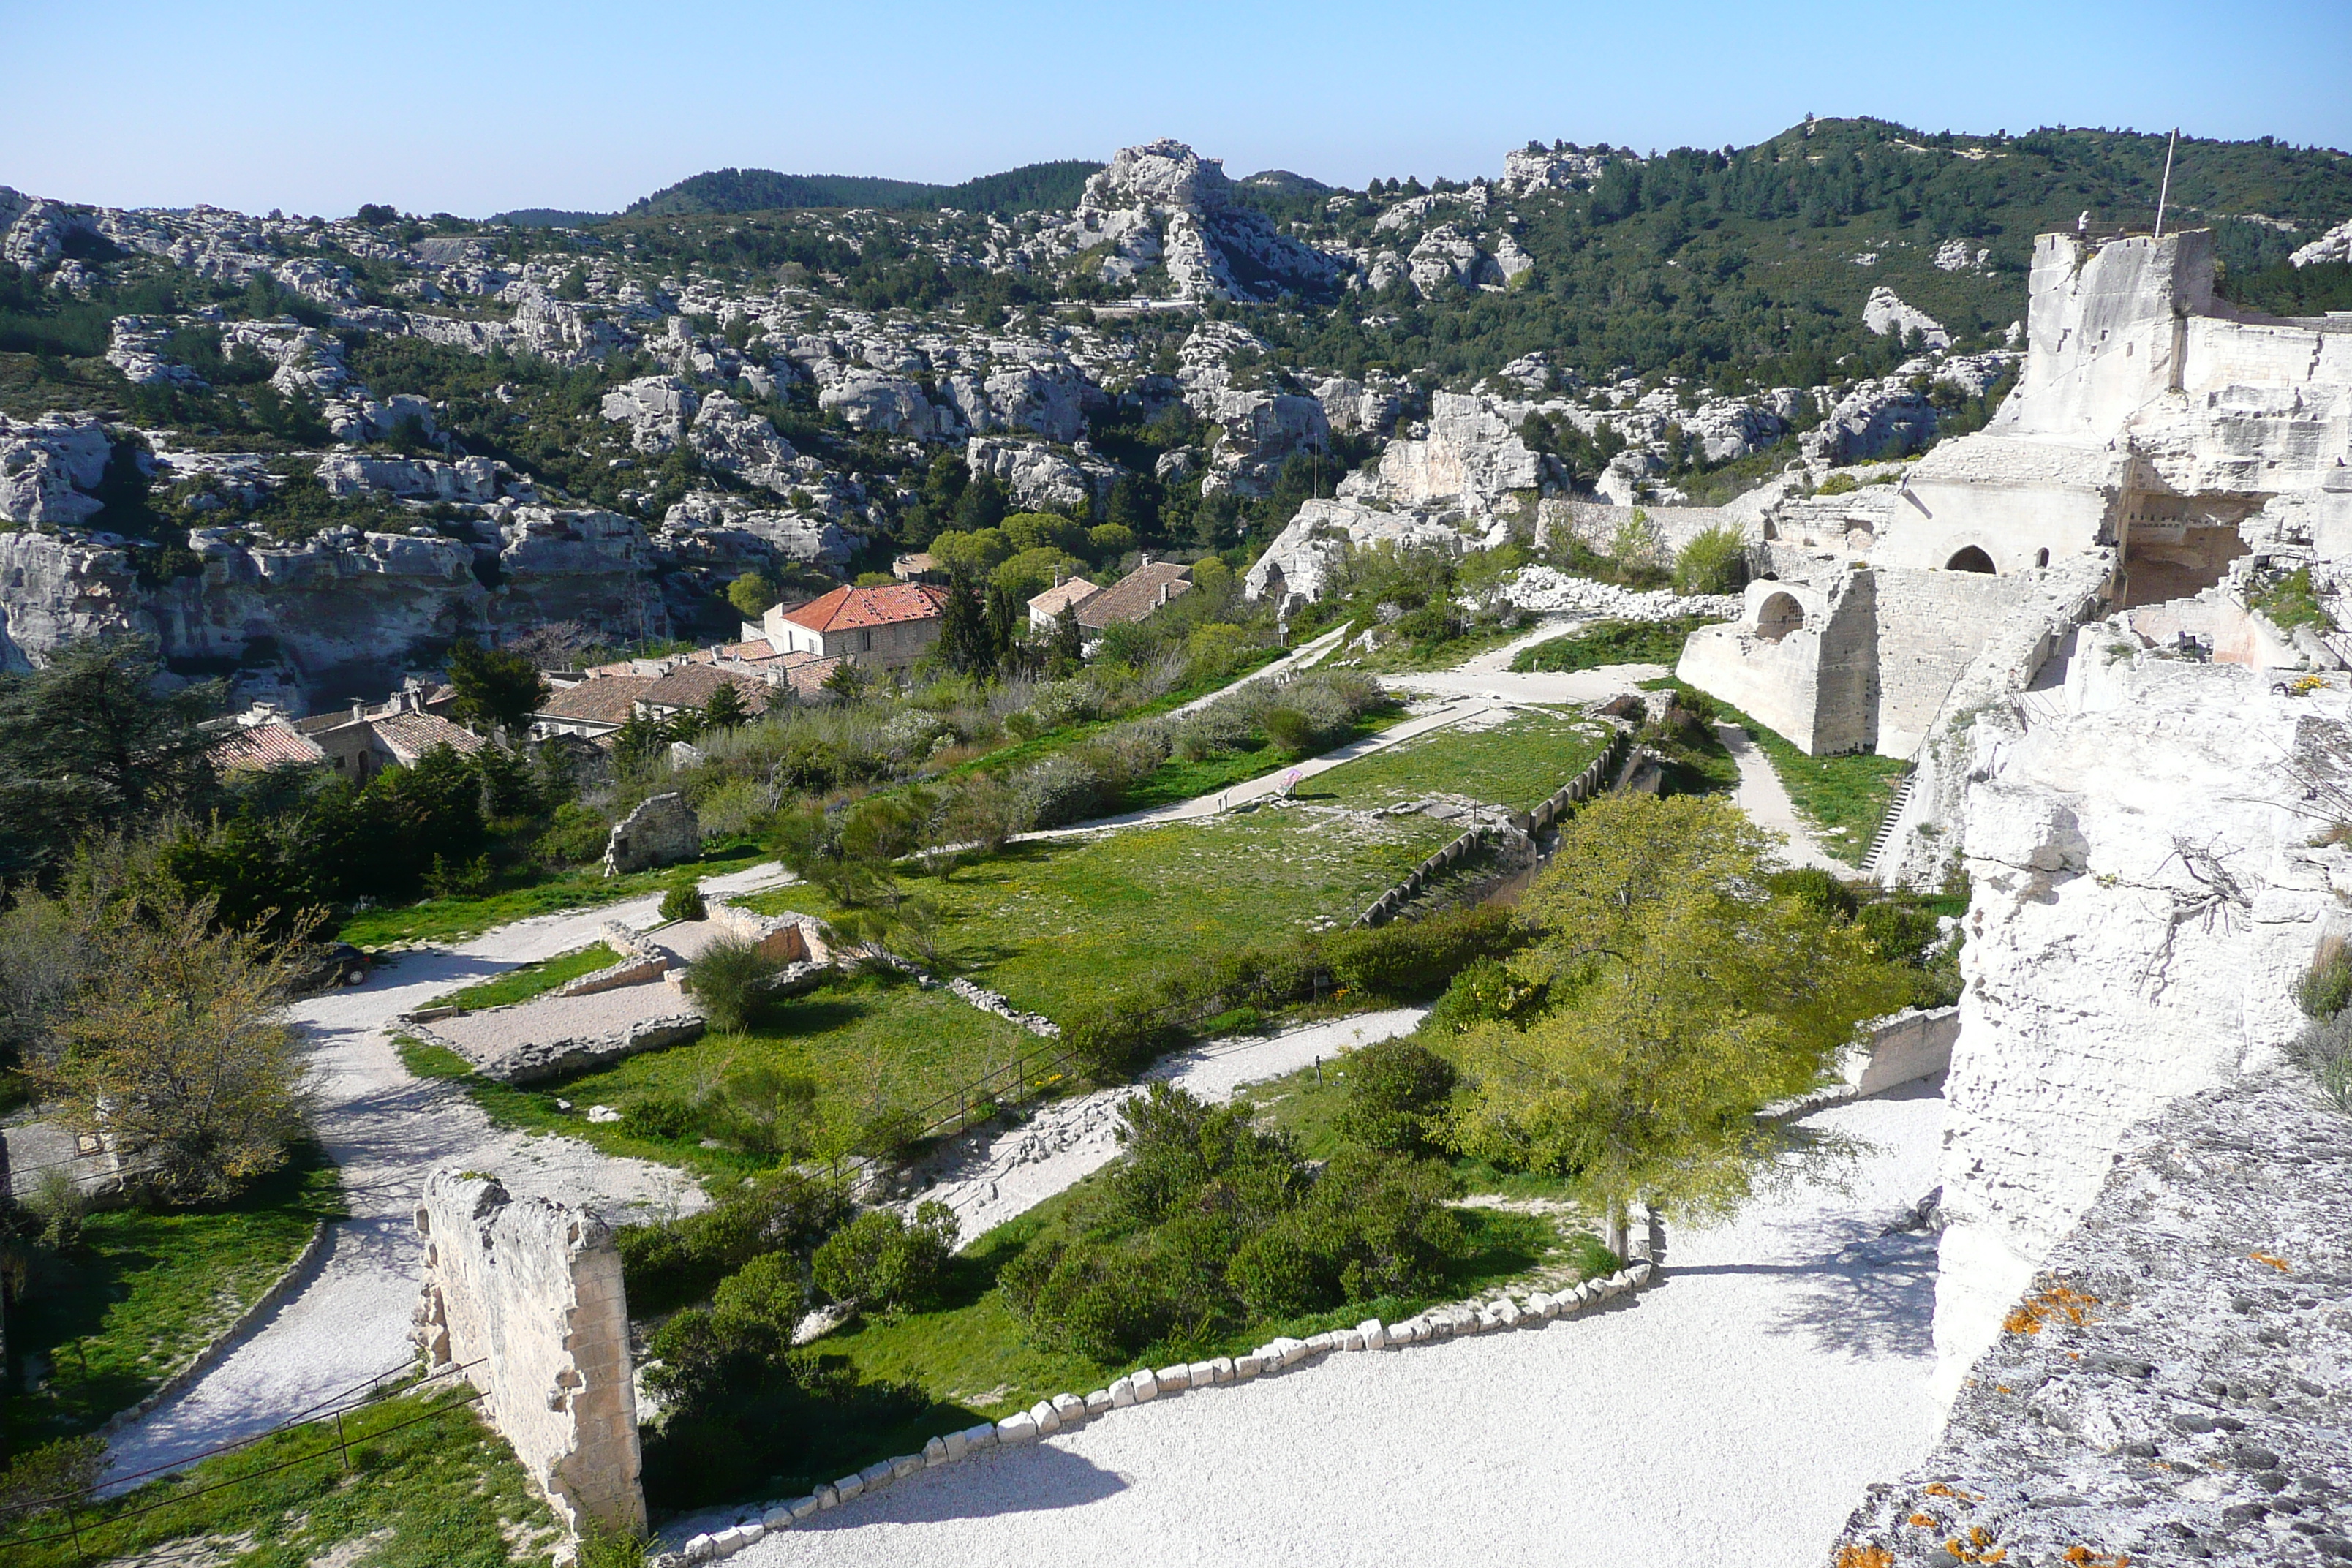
(263, 746)
(847, 609)
(1136, 595)
(607, 699)
(409, 736)
(692, 686)
(1054, 600)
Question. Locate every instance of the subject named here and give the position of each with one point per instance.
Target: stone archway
(1971, 559)
(1777, 617)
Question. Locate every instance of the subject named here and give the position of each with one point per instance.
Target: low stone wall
(2171, 1388)
(524, 1297)
(1911, 1045)
(1066, 1412)
(662, 831)
(532, 1060)
(1592, 781)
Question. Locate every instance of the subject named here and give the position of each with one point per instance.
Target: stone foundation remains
(662, 831)
(525, 1296)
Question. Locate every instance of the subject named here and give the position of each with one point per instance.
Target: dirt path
(1766, 801)
(1733, 1413)
(387, 1131)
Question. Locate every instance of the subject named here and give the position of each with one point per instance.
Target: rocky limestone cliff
(1163, 203)
(2146, 891)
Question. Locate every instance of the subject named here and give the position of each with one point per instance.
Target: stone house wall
(526, 1295)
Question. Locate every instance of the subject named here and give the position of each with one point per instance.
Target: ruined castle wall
(1930, 625)
(526, 1294)
(2103, 331)
(1817, 686)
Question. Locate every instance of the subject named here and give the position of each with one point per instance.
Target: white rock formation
(47, 464)
(1036, 476)
(1885, 313)
(2335, 244)
(1471, 458)
(656, 408)
(708, 527)
(1164, 204)
(1300, 563)
(733, 439)
(2145, 893)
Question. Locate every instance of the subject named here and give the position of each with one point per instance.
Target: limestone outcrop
(2146, 889)
(1468, 457)
(48, 466)
(1300, 562)
(1037, 476)
(1885, 313)
(1163, 204)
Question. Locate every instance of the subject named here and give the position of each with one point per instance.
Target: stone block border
(1066, 1412)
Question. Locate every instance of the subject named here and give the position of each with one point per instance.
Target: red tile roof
(847, 609)
(1054, 600)
(607, 699)
(691, 686)
(409, 736)
(1136, 595)
(272, 745)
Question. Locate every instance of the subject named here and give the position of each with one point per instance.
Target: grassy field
(1059, 925)
(454, 919)
(97, 1326)
(870, 1041)
(428, 1486)
(1515, 764)
(1843, 797)
(1175, 780)
(531, 979)
(1612, 642)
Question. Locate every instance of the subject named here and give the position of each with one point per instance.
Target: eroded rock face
(1298, 565)
(2335, 244)
(2170, 1388)
(1036, 476)
(733, 440)
(1471, 458)
(656, 408)
(1162, 203)
(1885, 313)
(2145, 894)
(708, 527)
(48, 466)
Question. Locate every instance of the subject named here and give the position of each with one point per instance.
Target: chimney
(359, 711)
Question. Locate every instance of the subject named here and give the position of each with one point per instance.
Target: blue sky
(473, 108)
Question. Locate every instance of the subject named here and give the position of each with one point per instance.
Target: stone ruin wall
(1930, 625)
(526, 1295)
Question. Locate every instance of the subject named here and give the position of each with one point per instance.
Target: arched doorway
(1970, 560)
(1777, 617)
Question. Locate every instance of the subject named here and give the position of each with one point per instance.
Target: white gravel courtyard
(1732, 1414)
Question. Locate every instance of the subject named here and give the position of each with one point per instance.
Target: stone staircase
(1870, 862)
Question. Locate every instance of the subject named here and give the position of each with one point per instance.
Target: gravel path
(1022, 1167)
(1733, 1413)
(1766, 801)
(388, 1132)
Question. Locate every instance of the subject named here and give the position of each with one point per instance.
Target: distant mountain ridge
(1026, 189)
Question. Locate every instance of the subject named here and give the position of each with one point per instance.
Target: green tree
(88, 744)
(640, 740)
(964, 640)
(983, 504)
(751, 593)
(1686, 994)
(726, 709)
(494, 687)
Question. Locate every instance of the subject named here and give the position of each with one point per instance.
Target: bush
(881, 1264)
(1483, 992)
(1714, 561)
(2326, 986)
(1397, 1094)
(890, 1135)
(1416, 958)
(1058, 790)
(667, 1265)
(660, 1115)
(1818, 889)
(2324, 1051)
(683, 901)
(728, 981)
(63, 1469)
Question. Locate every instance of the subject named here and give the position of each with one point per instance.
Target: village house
(1140, 594)
(1045, 610)
(881, 628)
(263, 739)
(362, 742)
(692, 686)
(598, 705)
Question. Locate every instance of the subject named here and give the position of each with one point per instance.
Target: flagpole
(2165, 194)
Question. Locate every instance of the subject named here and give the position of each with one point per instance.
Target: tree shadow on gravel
(1024, 1480)
(1870, 1298)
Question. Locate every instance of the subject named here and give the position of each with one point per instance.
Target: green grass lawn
(1175, 780)
(1403, 658)
(1059, 925)
(1843, 797)
(1612, 642)
(108, 1320)
(531, 979)
(439, 1492)
(1515, 764)
(454, 919)
(870, 1041)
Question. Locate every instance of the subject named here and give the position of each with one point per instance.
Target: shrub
(728, 981)
(1714, 561)
(1288, 729)
(1416, 958)
(574, 836)
(1837, 485)
(1397, 1093)
(62, 1468)
(1818, 889)
(2326, 985)
(2324, 1051)
(1057, 791)
(1483, 992)
(666, 1265)
(683, 901)
(890, 1135)
(658, 1115)
(881, 1263)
